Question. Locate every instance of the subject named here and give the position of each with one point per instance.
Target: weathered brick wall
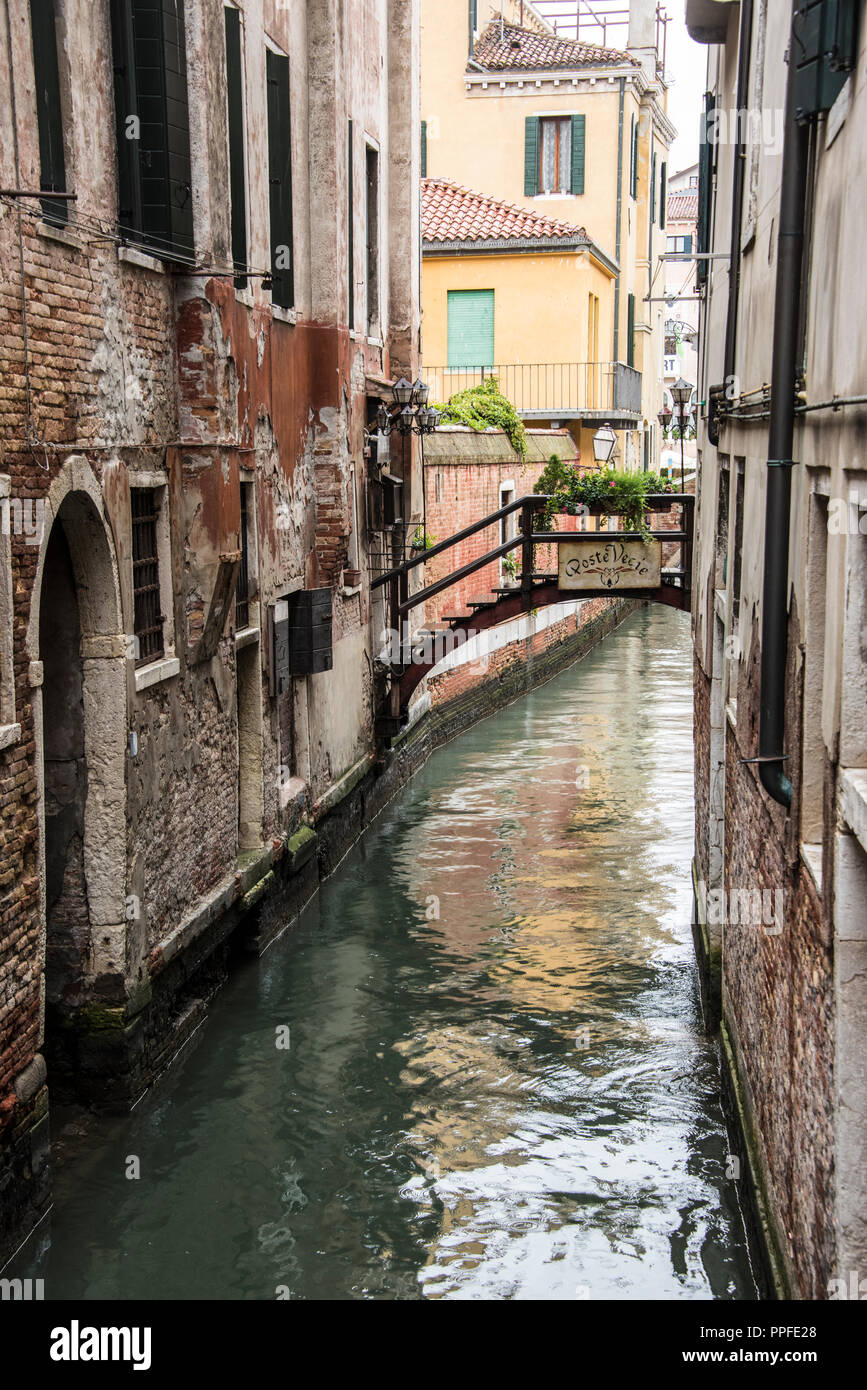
(467, 492)
(778, 1004)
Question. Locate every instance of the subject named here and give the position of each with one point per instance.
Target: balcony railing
(549, 390)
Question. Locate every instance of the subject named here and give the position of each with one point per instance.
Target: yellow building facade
(577, 134)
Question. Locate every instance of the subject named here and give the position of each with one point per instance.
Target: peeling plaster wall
(122, 371)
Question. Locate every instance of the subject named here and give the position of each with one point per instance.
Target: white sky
(686, 70)
(686, 67)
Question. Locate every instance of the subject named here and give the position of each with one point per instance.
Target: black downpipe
(787, 304)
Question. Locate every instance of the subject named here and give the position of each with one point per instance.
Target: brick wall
(778, 1000)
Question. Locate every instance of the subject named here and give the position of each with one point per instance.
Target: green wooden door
(471, 328)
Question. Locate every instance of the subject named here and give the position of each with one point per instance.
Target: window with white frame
(153, 619)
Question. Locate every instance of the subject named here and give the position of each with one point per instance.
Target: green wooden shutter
(531, 156)
(52, 167)
(155, 193)
(705, 182)
(280, 180)
(687, 244)
(424, 149)
(579, 130)
(471, 328)
(237, 176)
(663, 193)
(630, 330)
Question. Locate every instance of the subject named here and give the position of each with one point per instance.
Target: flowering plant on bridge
(580, 491)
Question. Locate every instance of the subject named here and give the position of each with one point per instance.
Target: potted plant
(421, 540)
(511, 576)
(600, 492)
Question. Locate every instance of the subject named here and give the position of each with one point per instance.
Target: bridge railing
(402, 602)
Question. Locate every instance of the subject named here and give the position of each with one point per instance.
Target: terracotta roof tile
(453, 213)
(682, 207)
(505, 47)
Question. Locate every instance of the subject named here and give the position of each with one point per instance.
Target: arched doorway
(80, 719)
(67, 925)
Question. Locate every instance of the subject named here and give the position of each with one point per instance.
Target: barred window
(147, 618)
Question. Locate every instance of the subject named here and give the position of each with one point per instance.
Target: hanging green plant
(483, 407)
(572, 489)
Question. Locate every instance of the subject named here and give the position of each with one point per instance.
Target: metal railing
(547, 389)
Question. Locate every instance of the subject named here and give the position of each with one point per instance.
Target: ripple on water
(497, 1084)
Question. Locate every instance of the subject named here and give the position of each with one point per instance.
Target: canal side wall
(181, 458)
(768, 986)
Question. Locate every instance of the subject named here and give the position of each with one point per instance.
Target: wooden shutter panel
(46, 73)
(531, 156)
(663, 193)
(579, 127)
(705, 179)
(280, 179)
(687, 244)
(630, 331)
(471, 328)
(424, 149)
(237, 179)
(155, 197)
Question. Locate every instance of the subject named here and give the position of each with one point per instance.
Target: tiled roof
(682, 207)
(507, 47)
(453, 213)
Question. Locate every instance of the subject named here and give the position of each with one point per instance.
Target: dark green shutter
(531, 156)
(237, 179)
(705, 181)
(52, 168)
(154, 172)
(663, 193)
(280, 177)
(630, 330)
(424, 149)
(687, 244)
(579, 125)
(471, 328)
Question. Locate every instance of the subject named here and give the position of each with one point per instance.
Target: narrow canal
(497, 1084)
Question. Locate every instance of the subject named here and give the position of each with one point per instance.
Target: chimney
(641, 42)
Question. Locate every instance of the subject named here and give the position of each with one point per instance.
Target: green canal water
(496, 1084)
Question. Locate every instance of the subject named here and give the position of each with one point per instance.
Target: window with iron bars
(242, 592)
(147, 618)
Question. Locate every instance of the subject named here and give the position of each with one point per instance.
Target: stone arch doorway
(80, 721)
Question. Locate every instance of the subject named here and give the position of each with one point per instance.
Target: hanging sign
(594, 563)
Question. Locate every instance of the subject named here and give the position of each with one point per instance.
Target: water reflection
(497, 1084)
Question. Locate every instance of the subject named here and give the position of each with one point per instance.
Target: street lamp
(664, 417)
(604, 441)
(414, 416)
(681, 394)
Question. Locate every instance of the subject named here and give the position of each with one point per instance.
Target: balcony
(591, 391)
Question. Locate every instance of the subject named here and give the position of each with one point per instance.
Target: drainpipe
(617, 232)
(787, 301)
